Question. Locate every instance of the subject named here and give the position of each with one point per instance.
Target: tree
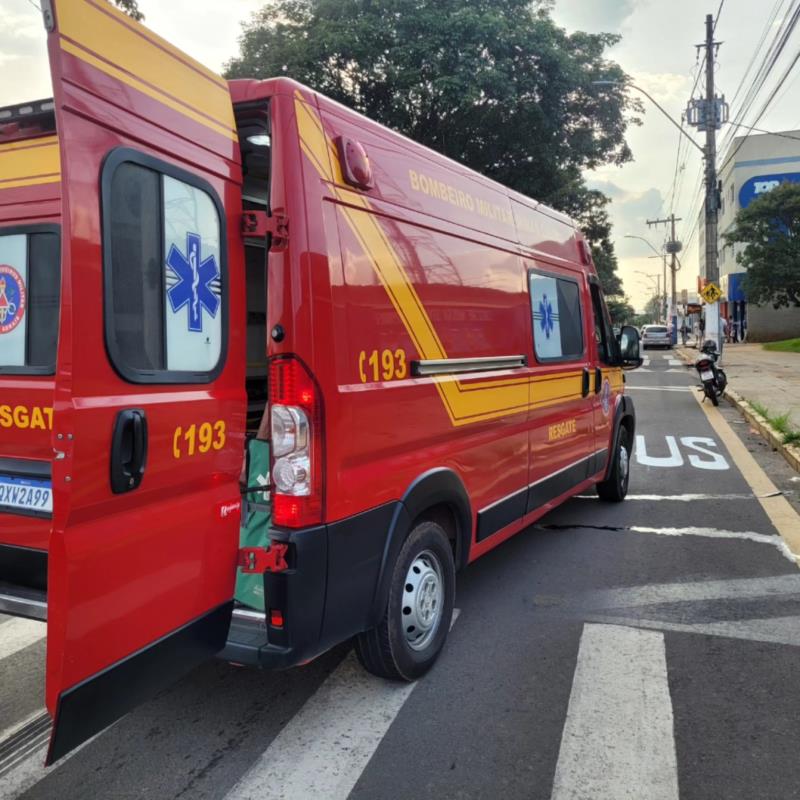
(494, 84)
(769, 228)
(130, 7)
(653, 308)
(589, 209)
(620, 309)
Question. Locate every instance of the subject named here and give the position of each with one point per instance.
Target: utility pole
(712, 200)
(673, 246)
(708, 114)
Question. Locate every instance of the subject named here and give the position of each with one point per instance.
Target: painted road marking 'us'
(708, 458)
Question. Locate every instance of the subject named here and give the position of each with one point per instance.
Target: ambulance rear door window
(30, 290)
(557, 325)
(165, 272)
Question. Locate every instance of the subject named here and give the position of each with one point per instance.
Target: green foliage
(786, 346)
(589, 209)
(780, 422)
(770, 230)
(620, 309)
(653, 308)
(494, 84)
(130, 7)
(760, 409)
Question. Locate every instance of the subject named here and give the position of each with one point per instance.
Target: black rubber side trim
(94, 704)
(600, 462)
(23, 566)
(548, 489)
(502, 513)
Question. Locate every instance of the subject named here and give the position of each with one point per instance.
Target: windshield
(655, 329)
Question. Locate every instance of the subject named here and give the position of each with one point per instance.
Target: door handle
(585, 384)
(128, 450)
(598, 379)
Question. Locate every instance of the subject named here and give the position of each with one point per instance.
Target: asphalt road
(640, 650)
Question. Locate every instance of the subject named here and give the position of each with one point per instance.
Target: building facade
(751, 166)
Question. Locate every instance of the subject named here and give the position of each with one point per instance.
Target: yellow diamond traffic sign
(711, 293)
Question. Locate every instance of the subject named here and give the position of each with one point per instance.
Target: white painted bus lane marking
(776, 586)
(700, 444)
(774, 630)
(618, 740)
(632, 387)
(325, 747)
(716, 533)
(679, 498)
(783, 517)
(17, 633)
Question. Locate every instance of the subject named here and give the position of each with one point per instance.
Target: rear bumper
(324, 597)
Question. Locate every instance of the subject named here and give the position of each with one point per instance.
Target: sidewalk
(771, 379)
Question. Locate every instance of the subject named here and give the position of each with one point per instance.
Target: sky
(657, 50)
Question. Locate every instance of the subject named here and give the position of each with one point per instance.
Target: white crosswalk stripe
(323, 750)
(618, 740)
(17, 633)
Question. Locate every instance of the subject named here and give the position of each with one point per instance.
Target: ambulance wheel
(615, 487)
(412, 633)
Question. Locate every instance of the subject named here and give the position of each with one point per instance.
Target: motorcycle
(713, 377)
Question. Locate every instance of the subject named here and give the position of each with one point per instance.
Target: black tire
(615, 487)
(386, 650)
(711, 393)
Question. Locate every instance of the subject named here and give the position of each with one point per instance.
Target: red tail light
(704, 364)
(296, 417)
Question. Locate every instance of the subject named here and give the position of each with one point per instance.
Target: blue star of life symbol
(194, 276)
(546, 311)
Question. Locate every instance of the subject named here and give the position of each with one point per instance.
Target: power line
(786, 28)
(680, 160)
(764, 107)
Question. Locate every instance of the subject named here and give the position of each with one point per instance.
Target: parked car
(656, 336)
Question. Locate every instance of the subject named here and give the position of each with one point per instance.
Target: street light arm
(633, 236)
(656, 104)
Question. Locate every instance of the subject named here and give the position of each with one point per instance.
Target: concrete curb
(773, 437)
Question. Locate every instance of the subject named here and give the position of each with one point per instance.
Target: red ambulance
(180, 255)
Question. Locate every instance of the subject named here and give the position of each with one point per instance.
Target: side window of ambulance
(557, 326)
(30, 288)
(165, 274)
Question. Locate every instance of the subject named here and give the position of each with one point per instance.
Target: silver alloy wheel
(623, 464)
(423, 598)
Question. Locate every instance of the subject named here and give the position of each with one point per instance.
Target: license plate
(26, 494)
(706, 375)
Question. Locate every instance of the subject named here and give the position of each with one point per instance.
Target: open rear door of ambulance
(150, 388)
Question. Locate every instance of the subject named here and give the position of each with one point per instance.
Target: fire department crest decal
(13, 298)
(605, 397)
(193, 282)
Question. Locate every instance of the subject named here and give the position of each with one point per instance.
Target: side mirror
(629, 347)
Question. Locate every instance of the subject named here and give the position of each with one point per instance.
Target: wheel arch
(625, 415)
(438, 495)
